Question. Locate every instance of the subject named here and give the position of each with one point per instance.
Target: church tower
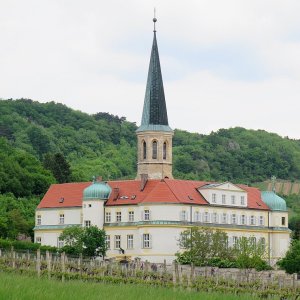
(154, 136)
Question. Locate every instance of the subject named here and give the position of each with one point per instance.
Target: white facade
(160, 224)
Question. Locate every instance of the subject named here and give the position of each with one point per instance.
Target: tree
(291, 262)
(203, 244)
(89, 241)
(250, 254)
(72, 237)
(94, 241)
(59, 167)
(207, 247)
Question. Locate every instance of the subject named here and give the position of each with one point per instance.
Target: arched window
(154, 150)
(144, 150)
(165, 150)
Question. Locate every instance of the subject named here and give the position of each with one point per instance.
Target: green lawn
(19, 287)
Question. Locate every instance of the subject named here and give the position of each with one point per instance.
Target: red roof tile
(155, 191)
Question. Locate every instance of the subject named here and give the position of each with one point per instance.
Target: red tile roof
(155, 191)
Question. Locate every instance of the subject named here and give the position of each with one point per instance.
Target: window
(242, 200)
(243, 219)
(118, 216)
(108, 217)
(283, 221)
(215, 218)
(223, 199)
(38, 220)
(117, 241)
(206, 217)
(146, 215)
(261, 221)
(165, 150)
(154, 150)
(232, 199)
(233, 218)
(146, 240)
(61, 219)
(183, 215)
(214, 198)
(130, 241)
(197, 216)
(38, 240)
(60, 243)
(87, 223)
(144, 150)
(131, 216)
(107, 241)
(224, 218)
(252, 220)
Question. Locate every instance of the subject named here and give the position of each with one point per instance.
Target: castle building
(144, 217)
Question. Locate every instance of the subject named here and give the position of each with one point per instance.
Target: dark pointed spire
(155, 115)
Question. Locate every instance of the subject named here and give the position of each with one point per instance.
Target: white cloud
(93, 55)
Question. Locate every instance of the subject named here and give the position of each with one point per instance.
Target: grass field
(19, 287)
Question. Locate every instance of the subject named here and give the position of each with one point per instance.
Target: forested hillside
(45, 143)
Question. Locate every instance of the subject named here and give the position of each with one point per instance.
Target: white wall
(50, 216)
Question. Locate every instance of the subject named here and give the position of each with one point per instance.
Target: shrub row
(24, 245)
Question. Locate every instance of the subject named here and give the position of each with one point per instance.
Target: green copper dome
(97, 190)
(273, 201)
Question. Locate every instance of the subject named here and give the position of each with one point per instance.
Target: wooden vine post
(48, 259)
(38, 262)
(63, 266)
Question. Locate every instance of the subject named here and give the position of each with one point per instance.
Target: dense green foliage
(208, 247)
(21, 173)
(291, 262)
(89, 241)
(104, 144)
(45, 143)
(17, 216)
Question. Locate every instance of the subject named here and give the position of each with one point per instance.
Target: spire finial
(154, 19)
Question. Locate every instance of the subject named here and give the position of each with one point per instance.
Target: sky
(224, 63)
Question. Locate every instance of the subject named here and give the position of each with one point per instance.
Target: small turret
(94, 197)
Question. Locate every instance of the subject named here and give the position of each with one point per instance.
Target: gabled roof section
(71, 193)
(155, 117)
(129, 193)
(225, 185)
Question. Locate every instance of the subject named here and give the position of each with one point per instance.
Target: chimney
(144, 179)
(115, 193)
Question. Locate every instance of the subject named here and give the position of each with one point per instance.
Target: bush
(24, 245)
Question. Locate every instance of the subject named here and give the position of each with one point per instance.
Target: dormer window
(154, 150)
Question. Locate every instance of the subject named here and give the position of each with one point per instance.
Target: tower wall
(155, 168)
